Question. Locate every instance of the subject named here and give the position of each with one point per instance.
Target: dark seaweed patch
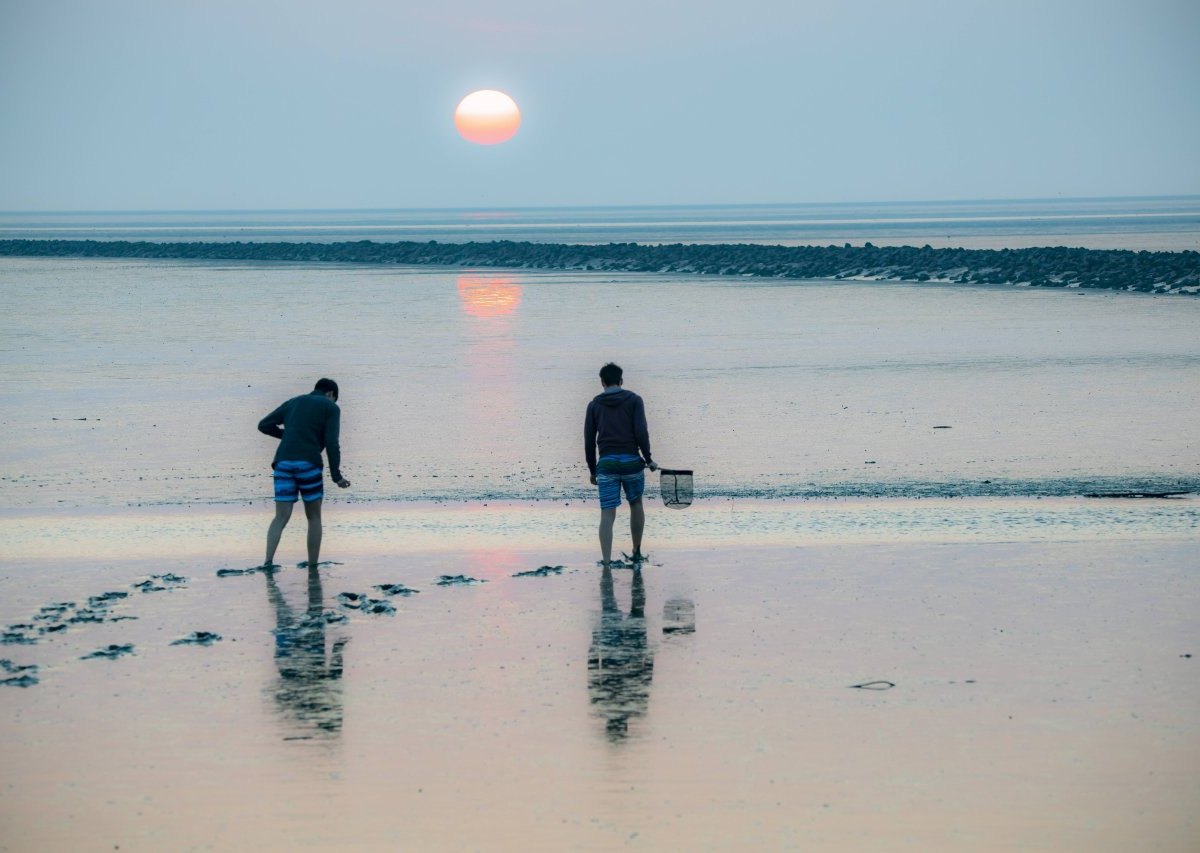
(541, 572)
(265, 568)
(362, 602)
(19, 675)
(159, 583)
(24, 680)
(16, 638)
(1136, 494)
(111, 652)
(457, 580)
(395, 589)
(84, 616)
(198, 638)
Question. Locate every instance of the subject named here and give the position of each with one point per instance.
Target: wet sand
(1037, 640)
(1044, 690)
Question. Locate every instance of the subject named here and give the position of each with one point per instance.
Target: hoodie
(311, 423)
(616, 421)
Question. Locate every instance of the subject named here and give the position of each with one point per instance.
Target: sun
(487, 117)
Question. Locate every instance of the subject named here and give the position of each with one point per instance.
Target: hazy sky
(203, 104)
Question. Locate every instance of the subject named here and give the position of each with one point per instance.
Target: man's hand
(653, 466)
(343, 483)
(593, 479)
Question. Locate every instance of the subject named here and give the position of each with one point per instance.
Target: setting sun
(487, 117)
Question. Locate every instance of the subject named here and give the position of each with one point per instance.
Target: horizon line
(533, 207)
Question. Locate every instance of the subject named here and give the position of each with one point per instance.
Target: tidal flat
(892, 619)
(910, 695)
(139, 383)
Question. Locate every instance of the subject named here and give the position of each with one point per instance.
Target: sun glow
(487, 295)
(487, 117)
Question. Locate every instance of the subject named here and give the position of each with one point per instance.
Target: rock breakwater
(1107, 269)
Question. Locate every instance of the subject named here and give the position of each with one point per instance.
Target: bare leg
(607, 518)
(312, 511)
(637, 523)
(283, 512)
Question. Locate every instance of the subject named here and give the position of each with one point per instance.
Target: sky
(285, 104)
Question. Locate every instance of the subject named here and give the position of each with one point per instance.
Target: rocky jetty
(1146, 272)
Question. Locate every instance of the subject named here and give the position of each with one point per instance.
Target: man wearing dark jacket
(616, 423)
(310, 423)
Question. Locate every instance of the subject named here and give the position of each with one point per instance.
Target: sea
(1157, 224)
(140, 383)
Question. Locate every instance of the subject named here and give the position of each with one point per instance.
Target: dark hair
(324, 386)
(610, 374)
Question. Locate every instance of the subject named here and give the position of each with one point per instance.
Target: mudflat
(892, 619)
(901, 691)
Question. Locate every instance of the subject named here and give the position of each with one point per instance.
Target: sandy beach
(1044, 690)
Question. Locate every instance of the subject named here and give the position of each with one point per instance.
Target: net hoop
(675, 485)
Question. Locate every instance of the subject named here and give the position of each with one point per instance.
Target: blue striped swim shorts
(617, 473)
(302, 479)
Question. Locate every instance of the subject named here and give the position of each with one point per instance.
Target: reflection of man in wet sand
(310, 424)
(620, 662)
(309, 687)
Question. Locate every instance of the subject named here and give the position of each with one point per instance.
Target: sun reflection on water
(488, 295)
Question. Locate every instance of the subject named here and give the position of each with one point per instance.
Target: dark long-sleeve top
(310, 423)
(616, 423)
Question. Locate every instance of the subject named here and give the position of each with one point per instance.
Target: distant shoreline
(1055, 267)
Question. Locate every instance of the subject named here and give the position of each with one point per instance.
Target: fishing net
(676, 487)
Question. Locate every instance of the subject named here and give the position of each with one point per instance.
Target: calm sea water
(1129, 223)
(139, 382)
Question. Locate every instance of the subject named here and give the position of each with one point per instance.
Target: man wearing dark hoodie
(310, 423)
(616, 423)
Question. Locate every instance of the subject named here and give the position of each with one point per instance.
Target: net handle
(674, 471)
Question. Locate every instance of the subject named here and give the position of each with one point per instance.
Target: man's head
(610, 375)
(326, 386)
